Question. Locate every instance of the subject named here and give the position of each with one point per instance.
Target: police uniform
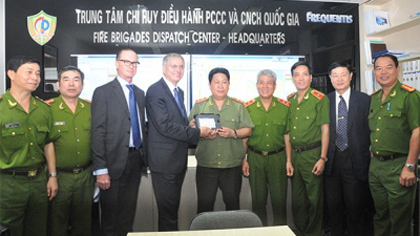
(306, 119)
(73, 203)
(267, 158)
(23, 180)
(223, 154)
(391, 123)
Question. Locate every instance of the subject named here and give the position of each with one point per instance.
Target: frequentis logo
(328, 18)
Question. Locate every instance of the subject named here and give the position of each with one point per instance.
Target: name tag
(12, 125)
(60, 123)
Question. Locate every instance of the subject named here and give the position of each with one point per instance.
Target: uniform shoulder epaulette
(317, 94)
(408, 88)
(283, 102)
(375, 92)
(237, 100)
(87, 101)
(40, 99)
(49, 101)
(291, 95)
(249, 102)
(1, 98)
(201, 99)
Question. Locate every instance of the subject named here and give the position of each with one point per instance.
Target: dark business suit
(110, 136)
(169, 136)
(346, 173)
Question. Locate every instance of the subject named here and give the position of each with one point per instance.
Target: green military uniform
(23, 180)
(306, 119)
(268, 136)
(73, 203)
(220, 160)
(391, 123)
(221, 152)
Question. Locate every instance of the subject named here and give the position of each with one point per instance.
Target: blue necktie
(178, 101)
(342, 139)
(134, 118)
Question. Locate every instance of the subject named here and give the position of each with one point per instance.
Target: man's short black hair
(302, 63)
(339, 64)
(15, 62)
(70, 68)
(394, 58)
(218, 70)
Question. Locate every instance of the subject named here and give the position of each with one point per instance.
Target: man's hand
(290, 169)
(245, 168)
(319, 167)
(52, 187)
(226, 132)
(407, 177)
(103, 181)
(192, 123)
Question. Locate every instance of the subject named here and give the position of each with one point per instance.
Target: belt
(132, 149)
(28, 173)
(77, 170)
(265, 153)
(391, 157)
(308, 147)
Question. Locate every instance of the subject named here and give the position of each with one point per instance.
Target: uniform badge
(408, 88)
(12, 125)
(249, 102)
(41, 27)
(201, 99)
(59, 123)
(12, 104)
(317, 94)
(49, 101)
(290, 95)
(283, 102)
(237, 100)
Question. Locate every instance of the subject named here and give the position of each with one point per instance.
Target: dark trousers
(118, 203)
(167, 189)
(208, 180)
(347, 199)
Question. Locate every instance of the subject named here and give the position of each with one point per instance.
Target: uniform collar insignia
(61, 106)
(306, 96)
(12, 104)
(82, 105)
(258, 104)
(393, 93)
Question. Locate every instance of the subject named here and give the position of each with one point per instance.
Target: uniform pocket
(13, 138)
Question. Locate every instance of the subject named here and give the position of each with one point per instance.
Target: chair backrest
(225, 220)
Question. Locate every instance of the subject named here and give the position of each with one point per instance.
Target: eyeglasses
(130, 63)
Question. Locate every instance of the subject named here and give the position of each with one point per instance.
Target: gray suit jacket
(168, 133)
(110, 127)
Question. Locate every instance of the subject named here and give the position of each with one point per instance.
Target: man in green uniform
(394, 124)
(309, 136)
(25, 145)
(219, 157)
(71, 119)
(267, 150)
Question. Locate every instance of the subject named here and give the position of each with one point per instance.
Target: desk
(266, 231)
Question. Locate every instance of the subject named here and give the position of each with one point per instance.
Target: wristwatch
(324, 158)
(410, 167)
(53, 174)
(236, 135)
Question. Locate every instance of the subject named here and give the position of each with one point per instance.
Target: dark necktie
(178, 101)
(134, 118)
(342, 139)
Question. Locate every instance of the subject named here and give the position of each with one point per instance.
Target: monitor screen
(100, 69)
(243, 70)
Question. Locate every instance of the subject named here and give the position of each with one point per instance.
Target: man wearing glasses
(169, 136)
(118, 139)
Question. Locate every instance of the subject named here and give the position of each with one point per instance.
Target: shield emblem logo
(41, 27)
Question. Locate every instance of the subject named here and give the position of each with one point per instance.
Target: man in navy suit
(169, 136)
(118, 139)
(346, 172)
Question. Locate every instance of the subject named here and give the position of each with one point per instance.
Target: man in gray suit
(118, 136)
(169, 136)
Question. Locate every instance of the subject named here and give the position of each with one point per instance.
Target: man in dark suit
(118, 137)
(169, 136)
(346, 172)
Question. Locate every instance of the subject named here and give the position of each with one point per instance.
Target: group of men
(346, 146)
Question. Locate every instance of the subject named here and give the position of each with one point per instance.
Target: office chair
(4, 231)
(225, 220)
